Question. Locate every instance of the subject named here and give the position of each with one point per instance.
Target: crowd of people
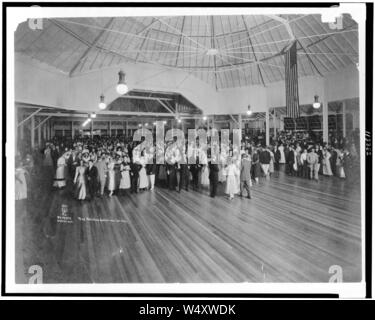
(106, 165)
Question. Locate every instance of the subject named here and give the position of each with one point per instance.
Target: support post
(32, 132)
(325, 117)
(39, 136)
(344, 119)
(267, 127)
(274, 123)
(240, 125)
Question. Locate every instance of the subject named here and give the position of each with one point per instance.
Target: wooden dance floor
(292, 230)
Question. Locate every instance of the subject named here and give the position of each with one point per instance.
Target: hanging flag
(291, 82)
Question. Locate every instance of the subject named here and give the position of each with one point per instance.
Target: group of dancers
(105, 165)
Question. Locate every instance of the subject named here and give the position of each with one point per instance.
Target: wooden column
(109, 128)
(39, 136)
(72, 129)
(274, 123)
(32, 132)
(92, 128)
(344, 119)
(22, 128)
(267, 128)
(325, 116)
(281, 123)
(16, 128)
(240, 125)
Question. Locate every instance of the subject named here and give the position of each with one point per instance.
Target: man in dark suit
(183, 180)
(245, 175)
(290, 161)
(92, 179)
(214, 178)
(134, 177)
(195, 172)
(172, 177)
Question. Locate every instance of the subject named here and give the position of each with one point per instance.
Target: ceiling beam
(29, 116)
(87, 51)
(213, 47)
(179, 43)
(309, 58)
(41, 122)
(165, 106)
(145, 98)
(285, 23)
(252, 48)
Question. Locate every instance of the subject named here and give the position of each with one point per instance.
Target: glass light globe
(249, 112)
(102, 105)
(316, 105)
(204, 118)
(122, 88)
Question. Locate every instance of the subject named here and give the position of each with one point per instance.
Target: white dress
(143, 180)
(20, 186)
(327, 164)
(59, 181)
(232, 174)
(282, 154)
(125, 177)
(205, 181)
(111, 176)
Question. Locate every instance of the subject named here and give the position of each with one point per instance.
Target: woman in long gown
(143, 180)
(20, 185)
(255, 166)
(340, 164)
(60, 177)
(80, 181)
(232, 172)
(205, 181)
(125, 176)
(271, 168)
(327, 163)
(111, 177)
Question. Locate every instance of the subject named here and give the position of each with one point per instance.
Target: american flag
(291, 82)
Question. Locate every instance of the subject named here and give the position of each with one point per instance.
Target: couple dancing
(238, 175)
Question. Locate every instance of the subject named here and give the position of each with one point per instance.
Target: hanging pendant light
(102, 104)
(249, 112)
(121, 87)
(316, 104)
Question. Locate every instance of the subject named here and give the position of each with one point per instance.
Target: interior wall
(40, 84)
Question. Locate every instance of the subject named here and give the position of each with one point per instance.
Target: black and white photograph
(198, 149)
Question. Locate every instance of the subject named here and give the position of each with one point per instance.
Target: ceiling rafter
(91, 46)
(179, 43)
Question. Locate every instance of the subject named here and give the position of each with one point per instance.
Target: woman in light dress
(47, 161)
(125, 174)
(80, 181)
(60, 177)
(20, 185)
(111, 176)
(340, 164)
(143, 180)
(327, 163)
(205, 181)
(271, 168)
(232, 173)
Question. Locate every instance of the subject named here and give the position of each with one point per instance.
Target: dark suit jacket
(214, 172)
(92, 174)
(245, 174)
